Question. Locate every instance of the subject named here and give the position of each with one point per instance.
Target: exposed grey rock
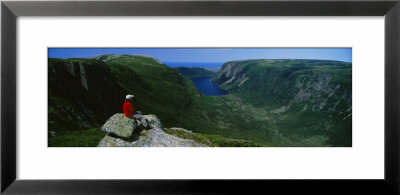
(70, 67)
(317, 86)
(83, 76)
(120, 125)
(280, 110)
(180, 129)
(243, 80)
(154, 137)
(153, 121)
(82, 84)
(232, 72)
(53, 134)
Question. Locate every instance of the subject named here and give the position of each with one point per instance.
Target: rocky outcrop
(155, 136)
(120, 125)
(231, 72)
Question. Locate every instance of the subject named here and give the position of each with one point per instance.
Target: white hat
(129, 96)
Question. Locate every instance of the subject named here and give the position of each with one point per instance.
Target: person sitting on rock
(130, 112)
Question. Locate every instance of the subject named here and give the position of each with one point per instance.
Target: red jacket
(128, 109)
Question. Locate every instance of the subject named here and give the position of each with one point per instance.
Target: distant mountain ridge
(320, 81)
(108, 57)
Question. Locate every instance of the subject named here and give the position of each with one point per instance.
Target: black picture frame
(10, 10)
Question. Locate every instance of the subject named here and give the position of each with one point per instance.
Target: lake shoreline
(207, 87)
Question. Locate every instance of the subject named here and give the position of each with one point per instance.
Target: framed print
(199, 97)
(223, 77)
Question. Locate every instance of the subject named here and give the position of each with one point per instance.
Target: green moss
(83, 138)
(212, 140)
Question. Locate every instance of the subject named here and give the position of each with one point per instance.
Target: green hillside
(173, 98)
(305, 99)
(158, 89)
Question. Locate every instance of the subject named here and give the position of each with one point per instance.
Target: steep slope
(82, 94)
(306, 98)
(158, 88)
(284, 80)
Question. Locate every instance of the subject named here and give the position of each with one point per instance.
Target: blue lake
(207, 87)
(194, 64)
(213, 66)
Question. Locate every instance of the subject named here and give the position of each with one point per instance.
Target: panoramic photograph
(199, 97)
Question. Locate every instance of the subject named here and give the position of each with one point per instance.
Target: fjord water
(207, 87)
(204, 84)
(195, 64)
(212, 66)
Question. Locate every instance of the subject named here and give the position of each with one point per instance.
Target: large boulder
(120, 125)
(153, 137)
(153, 121)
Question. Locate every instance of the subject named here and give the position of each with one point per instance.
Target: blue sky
(210, 54)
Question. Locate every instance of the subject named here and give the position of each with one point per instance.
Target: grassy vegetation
(212, 140)
(316, 95)
(82, 138)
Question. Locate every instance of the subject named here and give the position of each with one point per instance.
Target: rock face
(83, 93)
(120, 125)
(314, 85)
(153, 137)
(232, 72)
(305, 98)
